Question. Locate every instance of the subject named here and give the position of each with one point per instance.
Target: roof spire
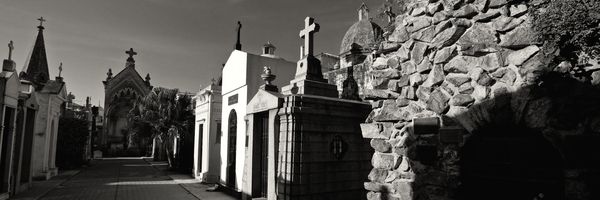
(42, 20)
(36, 66)
(363, 12)
(238, 45)
(11, 47)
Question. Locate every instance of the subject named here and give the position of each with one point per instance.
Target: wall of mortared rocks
(470, 64)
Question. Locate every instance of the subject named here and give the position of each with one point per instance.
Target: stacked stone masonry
(468, 64)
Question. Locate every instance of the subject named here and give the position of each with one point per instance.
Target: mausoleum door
(264, 153)
(510, 163)
(5, 152)
(200, 147)
(231, 149)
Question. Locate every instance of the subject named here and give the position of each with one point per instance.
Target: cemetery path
(120, 178)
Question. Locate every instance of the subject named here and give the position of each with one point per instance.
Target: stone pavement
(122, 178)
(191, 185)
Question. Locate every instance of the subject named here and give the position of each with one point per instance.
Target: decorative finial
(238, 45)
(42, 20)
(310, 28)
(131, 53)
(109, 74)
(267, 75)
(11, 47)
(148, 77)
(363, 12)
(390, 14)
(60, 69)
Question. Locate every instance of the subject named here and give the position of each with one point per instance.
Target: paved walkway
(128, 178)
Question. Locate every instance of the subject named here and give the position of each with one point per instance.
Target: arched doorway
(231, 148)
(503, 162)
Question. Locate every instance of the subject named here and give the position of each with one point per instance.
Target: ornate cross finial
(238, 45)
(131, 53)
(310, 28)
(390, 14)
(60, 69)
(109, 74)
(42, 20)
(11, 47)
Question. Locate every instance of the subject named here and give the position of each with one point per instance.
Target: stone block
(435, 77)
(408, 68)
(384, 161)
(380, 63)
(466, 11)
(457, 79)
(484, 79)
(462, 100)
(438, 102)
(418, 52)
(418, 24)
(519, 57)
(378, 175)
(497, 3)
(373, 130)
(404, 189)
(379, 94)
(381, 145)
(517, 10)
(486, 17)
(444, 55)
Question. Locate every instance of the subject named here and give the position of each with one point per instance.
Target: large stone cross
(11, 47)
(310, 28)
(131, 53)
(42, 20)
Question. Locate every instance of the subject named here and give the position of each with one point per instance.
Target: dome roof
(363, 33)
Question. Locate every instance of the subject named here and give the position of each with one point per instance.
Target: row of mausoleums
(30, 107)
(302, 140)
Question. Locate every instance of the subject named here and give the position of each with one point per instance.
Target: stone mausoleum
(120, 92)
(304, 142)
(469, 106)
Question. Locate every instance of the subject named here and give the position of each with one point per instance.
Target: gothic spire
(36, 66)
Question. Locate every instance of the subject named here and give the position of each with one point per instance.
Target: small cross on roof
(131, 53)
(42, 20)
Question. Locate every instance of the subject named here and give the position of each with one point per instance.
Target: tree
(168, 113)
(573, 25)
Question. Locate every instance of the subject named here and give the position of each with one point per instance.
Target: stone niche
(475, 110)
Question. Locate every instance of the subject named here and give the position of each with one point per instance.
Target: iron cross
(310, 28)
(42, 20)
(11, 47)
(131, 53)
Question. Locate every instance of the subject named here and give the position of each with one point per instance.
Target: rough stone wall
(338, 76)
(469, 63)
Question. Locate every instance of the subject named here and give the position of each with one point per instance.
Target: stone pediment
(263, 101)
(127, 78)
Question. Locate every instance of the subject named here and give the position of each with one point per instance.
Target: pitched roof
(53, 87)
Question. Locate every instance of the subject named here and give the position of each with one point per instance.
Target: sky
(181, 43)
